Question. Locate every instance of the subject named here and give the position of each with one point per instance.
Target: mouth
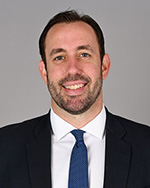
(75, 86)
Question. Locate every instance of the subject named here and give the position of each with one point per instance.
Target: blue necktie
(78, 172)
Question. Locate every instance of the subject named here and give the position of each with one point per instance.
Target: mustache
(74, 77)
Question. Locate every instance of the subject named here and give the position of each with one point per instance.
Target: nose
(73, 66)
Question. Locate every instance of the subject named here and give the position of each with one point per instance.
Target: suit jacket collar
(118, 154)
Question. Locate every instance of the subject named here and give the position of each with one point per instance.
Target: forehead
(70, 32)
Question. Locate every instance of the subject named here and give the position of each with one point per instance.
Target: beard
(75, 104)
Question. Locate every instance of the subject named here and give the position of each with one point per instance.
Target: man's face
(74, 71)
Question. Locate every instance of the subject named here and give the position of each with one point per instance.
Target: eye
(84, 55)
(59, 58)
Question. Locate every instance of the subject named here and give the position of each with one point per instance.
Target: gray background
(126, 27)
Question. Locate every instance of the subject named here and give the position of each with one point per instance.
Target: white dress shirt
(63, 142)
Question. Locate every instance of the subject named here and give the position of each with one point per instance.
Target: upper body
(25, 158)
(73, 65)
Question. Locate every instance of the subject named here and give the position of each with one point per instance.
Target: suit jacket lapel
(38, 152)
(117, 160)
(118, 154)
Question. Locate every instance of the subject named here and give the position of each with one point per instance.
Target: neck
(80, 120)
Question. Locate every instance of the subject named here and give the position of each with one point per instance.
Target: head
(74, 62)
(69, 17)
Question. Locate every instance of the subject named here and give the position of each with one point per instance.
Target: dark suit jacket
(25, 159)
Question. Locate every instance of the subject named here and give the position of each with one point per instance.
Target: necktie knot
(78, 134)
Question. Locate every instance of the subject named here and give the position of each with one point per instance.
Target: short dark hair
(69, 17)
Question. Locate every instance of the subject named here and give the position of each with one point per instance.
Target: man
(36, 153)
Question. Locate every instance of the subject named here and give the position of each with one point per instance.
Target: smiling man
(79, 143)
(74, 71)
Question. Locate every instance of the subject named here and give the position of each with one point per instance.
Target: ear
(43, 71)
(105, 66)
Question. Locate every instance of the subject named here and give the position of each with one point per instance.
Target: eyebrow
(57, 50)
(82, 47)
(85, 47)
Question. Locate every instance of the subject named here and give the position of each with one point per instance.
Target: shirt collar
(96, 127)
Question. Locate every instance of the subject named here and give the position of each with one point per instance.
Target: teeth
(73, 87)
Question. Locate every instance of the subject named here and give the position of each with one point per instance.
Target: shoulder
(131, 130)
(15, 138)
(133, 125)
(22, 129)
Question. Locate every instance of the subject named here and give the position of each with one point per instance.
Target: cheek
(55, 73)
(92, 71)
